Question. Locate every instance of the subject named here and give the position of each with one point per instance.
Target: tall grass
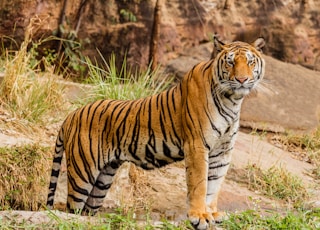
(26, 92)
(109, 82)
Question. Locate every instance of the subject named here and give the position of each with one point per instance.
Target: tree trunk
(153, 54)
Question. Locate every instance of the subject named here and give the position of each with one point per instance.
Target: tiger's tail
(59, 149)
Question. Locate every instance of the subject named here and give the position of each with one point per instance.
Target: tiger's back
(133, 131)
(196, 120)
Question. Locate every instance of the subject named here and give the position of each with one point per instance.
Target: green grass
(249, 219)
(278, 183)
(292, 220)
(112, 221)
(109, 82)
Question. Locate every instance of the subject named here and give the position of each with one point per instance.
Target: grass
(278, 183)
(109, 82)
(25, 92)
(305, 146)
(111, 221)
(24, 177)
(253, 220)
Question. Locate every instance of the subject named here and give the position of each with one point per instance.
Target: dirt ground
(163, 191)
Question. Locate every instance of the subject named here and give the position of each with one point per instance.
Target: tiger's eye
(229, 59)
(251, 62)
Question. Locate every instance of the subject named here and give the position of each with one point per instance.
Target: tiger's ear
(218, 46)
(259, 44)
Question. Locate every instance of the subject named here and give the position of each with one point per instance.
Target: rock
(288, 98)
(8, 140)
(17, 218)
(293, 100)
(291, 28)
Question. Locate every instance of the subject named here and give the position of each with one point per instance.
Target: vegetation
(24, 177)
(306, 145)
(31, 96)
(277, 182)
(109, 82)
(254, 220)
(25, 92)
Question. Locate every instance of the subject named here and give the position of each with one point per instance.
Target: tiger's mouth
(241, 89)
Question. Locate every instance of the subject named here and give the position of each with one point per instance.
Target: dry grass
(305, 147)
(25, 92)
(24, 177)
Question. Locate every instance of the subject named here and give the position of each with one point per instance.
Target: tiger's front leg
(196, 160)
(218, 166)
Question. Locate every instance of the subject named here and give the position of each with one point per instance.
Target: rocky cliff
(291, 28)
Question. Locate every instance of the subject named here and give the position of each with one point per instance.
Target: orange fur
(196, 120)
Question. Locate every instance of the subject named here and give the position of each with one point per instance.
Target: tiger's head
(239, 67)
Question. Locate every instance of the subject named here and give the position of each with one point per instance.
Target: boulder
(287, 99)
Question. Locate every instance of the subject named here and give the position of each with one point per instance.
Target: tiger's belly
(152, 152)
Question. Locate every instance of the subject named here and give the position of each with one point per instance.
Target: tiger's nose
(241, 79)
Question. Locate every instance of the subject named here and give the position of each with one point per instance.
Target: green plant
(254, 220)
(110, 83)
(128, 16)
(277, 182)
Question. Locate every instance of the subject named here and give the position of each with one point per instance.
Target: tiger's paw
(219, 217)
(200, 220)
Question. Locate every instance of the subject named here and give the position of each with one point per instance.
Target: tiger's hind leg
(100, 188)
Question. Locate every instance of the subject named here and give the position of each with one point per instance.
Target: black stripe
(208, 65)
(76, 188)
(87, 166)
(218, 166)
(173, 128)
(77, 169)
(96, 161)
(218, 106)
(97, 196)
(93, 207)
(173, 90)
(212, 123)
(135, 137)
(190, 117)
(57, 159)
(55, 173)
(50, 202)
(214, 177)
(76, 199)
(52, 186)
(149, 156)
(102, 186)
(220, 153)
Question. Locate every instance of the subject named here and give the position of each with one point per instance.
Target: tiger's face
(240, 67)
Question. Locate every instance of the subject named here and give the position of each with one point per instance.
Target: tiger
(196, 120)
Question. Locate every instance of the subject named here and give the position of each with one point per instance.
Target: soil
(163, 190)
